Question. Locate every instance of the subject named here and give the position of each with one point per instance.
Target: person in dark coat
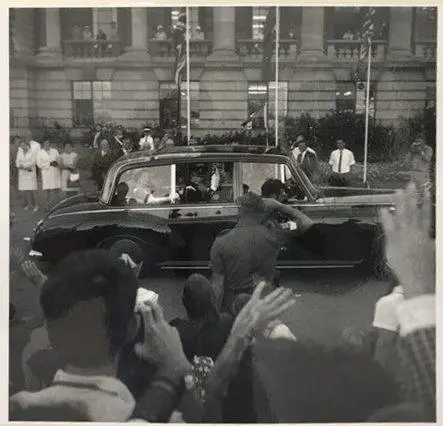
(102, 162)
(307, 159)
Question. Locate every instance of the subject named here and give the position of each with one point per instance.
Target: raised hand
(258, 313)
(409, 249)
(161, 343)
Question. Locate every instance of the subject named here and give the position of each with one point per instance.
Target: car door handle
(191, 214)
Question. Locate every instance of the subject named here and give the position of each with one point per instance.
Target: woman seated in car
(144, 192)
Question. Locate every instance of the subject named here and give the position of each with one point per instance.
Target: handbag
(73, 180)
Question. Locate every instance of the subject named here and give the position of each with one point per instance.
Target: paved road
(327, 302)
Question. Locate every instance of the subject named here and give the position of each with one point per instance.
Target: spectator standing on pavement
(98, 134)
(341, 161)
(27, 177)
(291, 34)
(13, 171)
(68, 165)
(147, 142)
(48, 163)
(167, 141)
(421, 157)
(307, 159)
(295, 149)
(102, 161)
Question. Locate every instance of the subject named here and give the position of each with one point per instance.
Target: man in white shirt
(341, 160)
(296, 147)
(146, 142)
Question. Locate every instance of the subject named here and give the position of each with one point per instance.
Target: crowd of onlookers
(110, 355)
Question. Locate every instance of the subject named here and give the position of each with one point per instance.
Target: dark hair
(272, 187)
(309, 383)
(14, 138)
(122, 187)
(198, 300)
(251, 204)
(86, 276)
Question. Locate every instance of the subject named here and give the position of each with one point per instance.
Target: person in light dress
(68, 165)
(27, 176)
(47, 161)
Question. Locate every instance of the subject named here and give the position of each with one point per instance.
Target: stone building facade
(56, 75)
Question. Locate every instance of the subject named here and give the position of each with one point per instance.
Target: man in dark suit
(307, 159)
(102, 161)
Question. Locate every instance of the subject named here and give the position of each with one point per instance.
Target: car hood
(75, 202)
(356, 195)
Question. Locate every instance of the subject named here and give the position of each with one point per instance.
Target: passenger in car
(119, 198)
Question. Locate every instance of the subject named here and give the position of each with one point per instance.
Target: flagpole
(188, 76)
(368, 82)
(277, 46)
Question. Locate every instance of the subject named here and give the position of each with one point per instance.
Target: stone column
(193, 20)
(53, 37)
(312, 34)
(400, 33)
(138, 51)
(224, 35)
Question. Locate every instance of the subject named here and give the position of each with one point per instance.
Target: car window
(144, 186)
(205, 182)
(255, 174)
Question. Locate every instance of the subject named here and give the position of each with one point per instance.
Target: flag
(367, 34)
(179, 39)
(268, 42)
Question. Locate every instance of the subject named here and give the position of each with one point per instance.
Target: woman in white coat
(68, 164)
(47, 161)
(27, 174)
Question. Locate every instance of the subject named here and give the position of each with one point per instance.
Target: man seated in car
(196, 190)
(121, 192)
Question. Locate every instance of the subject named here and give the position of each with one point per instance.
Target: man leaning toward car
(247, 253)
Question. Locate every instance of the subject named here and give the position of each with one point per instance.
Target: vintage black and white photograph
(222, 214)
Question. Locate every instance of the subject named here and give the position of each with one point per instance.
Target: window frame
(92, 97)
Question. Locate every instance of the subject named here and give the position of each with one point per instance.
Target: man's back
(243, 252)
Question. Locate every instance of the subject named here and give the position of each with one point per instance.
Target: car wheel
(147, 255)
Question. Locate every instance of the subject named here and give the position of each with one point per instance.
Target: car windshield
(304, 180)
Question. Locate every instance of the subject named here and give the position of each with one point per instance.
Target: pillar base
(134, 54)
(400, 55)
(49, 53)
(312, 56)
(223, 58)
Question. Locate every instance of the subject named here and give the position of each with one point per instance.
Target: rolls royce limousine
(172, 204)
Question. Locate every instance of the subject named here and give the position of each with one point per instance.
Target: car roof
(202, 151)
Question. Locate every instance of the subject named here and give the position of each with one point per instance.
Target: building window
(352, 98)
(88, 98)
(425, 24)
(169, 104)
(259, 14)
(257, 99)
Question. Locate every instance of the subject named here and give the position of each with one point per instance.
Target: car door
(195, 223)
(329, 217)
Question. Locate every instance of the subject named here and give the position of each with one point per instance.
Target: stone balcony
(426, 50)
(349, 50)
(253, 49)
(94, 49)
(165, 48)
